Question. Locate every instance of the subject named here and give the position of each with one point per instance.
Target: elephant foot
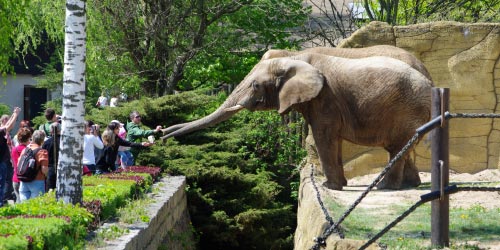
(332, 185)
(344, 181)
(411, 183)
(388, 183)
(411, 177)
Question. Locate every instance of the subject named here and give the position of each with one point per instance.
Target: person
(3, 122)
(51, 116)
(52, 147)
(36, 187)
(23, 135)
(113, 102)
(8, 189)
(125, 158)
(22, 124)
(102, 101)
(134, 131)
(112, 142)
(6, 170)
(91, 140)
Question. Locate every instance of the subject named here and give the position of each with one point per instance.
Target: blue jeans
(3, 178)
(32, 189)
(126, 158)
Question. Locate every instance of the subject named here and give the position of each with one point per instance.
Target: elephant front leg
(328, 149)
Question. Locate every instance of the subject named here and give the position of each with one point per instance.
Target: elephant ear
(300, 83)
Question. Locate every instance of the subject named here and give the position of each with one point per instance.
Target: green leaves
(239, 172)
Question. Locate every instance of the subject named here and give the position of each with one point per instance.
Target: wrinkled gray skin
(375, 101)
(377, 50)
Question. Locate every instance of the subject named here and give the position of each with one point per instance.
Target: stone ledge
(168, 218)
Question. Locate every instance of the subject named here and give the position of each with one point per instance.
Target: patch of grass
(134, 211)
(131, 213)
(474, 224)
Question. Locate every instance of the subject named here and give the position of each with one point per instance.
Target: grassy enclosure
(473, 223)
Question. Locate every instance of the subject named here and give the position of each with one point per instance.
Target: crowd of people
(116, 147)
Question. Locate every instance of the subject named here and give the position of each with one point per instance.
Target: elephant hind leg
(393, 179)
(411, 178)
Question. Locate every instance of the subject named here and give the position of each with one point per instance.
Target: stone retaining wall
(169, 224)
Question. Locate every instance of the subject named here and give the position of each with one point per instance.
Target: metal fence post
(439, 169)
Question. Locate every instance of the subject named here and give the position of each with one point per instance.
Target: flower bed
(44, 223)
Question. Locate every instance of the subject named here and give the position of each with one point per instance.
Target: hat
(121, 124)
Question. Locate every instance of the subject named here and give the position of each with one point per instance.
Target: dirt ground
(380, 198)
(461, 199)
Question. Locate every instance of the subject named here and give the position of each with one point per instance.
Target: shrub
(241, 178)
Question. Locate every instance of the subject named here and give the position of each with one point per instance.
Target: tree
(142, 47)
(69, 168)
(158, 38)
(28, 25)
(332, 21)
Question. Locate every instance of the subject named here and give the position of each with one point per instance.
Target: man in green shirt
(135, 133)
(51, 116)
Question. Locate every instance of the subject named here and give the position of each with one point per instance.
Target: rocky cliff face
(459, 56)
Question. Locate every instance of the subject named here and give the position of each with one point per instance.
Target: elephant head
(274, 84)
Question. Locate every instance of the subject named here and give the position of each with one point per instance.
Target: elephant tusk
(234, 108)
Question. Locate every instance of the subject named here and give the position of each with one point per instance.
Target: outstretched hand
(17, 110)
(146, 144)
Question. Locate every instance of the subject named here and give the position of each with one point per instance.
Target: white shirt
(113, 102)
(89, 142)
(103, 101)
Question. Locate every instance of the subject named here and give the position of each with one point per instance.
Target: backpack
(47, 130)
(26, 167)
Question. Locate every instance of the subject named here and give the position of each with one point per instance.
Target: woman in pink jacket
(23, 137)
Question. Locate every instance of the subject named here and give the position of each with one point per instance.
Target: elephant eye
(278, 81)
(255, 85)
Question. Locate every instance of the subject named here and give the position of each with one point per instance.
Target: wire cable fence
(320, 241)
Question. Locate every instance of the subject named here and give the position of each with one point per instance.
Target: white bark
(69, 169)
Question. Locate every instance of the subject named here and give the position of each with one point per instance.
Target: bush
(240, 177)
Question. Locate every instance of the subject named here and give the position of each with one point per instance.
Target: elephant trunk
(173, 128)
(224, 112)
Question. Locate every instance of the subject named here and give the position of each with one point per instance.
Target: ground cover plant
(44, 223)
(474, 226)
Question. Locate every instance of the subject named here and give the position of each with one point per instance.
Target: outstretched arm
(12, 120)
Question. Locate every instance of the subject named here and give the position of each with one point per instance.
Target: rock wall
(169, 226)
(461, 56)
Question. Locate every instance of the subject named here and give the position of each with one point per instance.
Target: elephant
(377, 50)
(373, 101)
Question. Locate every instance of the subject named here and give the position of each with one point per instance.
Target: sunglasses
(138, 117)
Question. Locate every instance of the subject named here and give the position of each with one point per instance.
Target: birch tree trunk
(69, 168)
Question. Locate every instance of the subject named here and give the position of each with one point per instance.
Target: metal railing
(440, 190)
